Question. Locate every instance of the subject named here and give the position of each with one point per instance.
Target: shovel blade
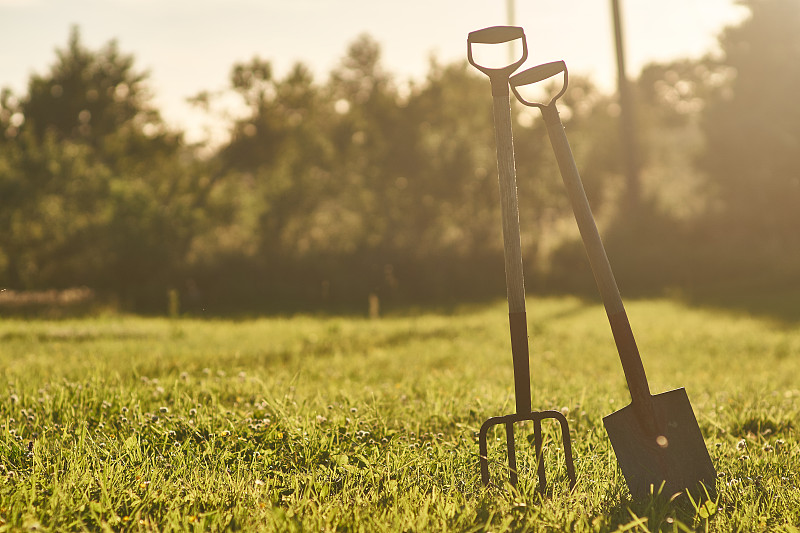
(675, 456)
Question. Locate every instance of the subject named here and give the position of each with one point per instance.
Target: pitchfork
(515, 285)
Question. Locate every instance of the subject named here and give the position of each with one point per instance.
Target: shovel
(656, 439)
(515, 285)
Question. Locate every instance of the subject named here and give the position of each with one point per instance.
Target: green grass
(346, 424)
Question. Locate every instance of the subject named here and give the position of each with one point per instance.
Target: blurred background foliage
(328, 191)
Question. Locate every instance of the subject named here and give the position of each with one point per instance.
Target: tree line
(328, 191)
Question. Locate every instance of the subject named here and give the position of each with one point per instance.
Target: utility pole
(511, 16)
(627, 117)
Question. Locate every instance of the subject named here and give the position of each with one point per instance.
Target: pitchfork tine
(537, 445)
(567, 442)
(483, 453)
(512, 454)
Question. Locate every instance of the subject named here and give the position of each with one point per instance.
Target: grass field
(349, 424)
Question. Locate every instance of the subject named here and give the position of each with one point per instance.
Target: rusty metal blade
(675, 455)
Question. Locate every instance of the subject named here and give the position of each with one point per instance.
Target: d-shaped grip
(537, 74)
(497, 35)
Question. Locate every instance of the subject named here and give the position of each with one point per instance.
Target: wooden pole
(510, 12)
(627, 115)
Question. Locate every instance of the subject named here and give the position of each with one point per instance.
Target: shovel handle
(537, 74)
(601, 268)
(512, 249)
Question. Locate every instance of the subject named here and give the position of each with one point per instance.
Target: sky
(189, 46)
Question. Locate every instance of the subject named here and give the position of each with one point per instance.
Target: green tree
(673, 99)
(88, 95)
(753, 131)
(358, 186)
(48, 193)
(95, 189)
(272, 174)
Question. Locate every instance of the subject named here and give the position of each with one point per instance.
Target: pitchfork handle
(497, 35)
(620, 327)
(515, 283)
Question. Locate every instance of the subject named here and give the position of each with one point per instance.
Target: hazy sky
(190, 45)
